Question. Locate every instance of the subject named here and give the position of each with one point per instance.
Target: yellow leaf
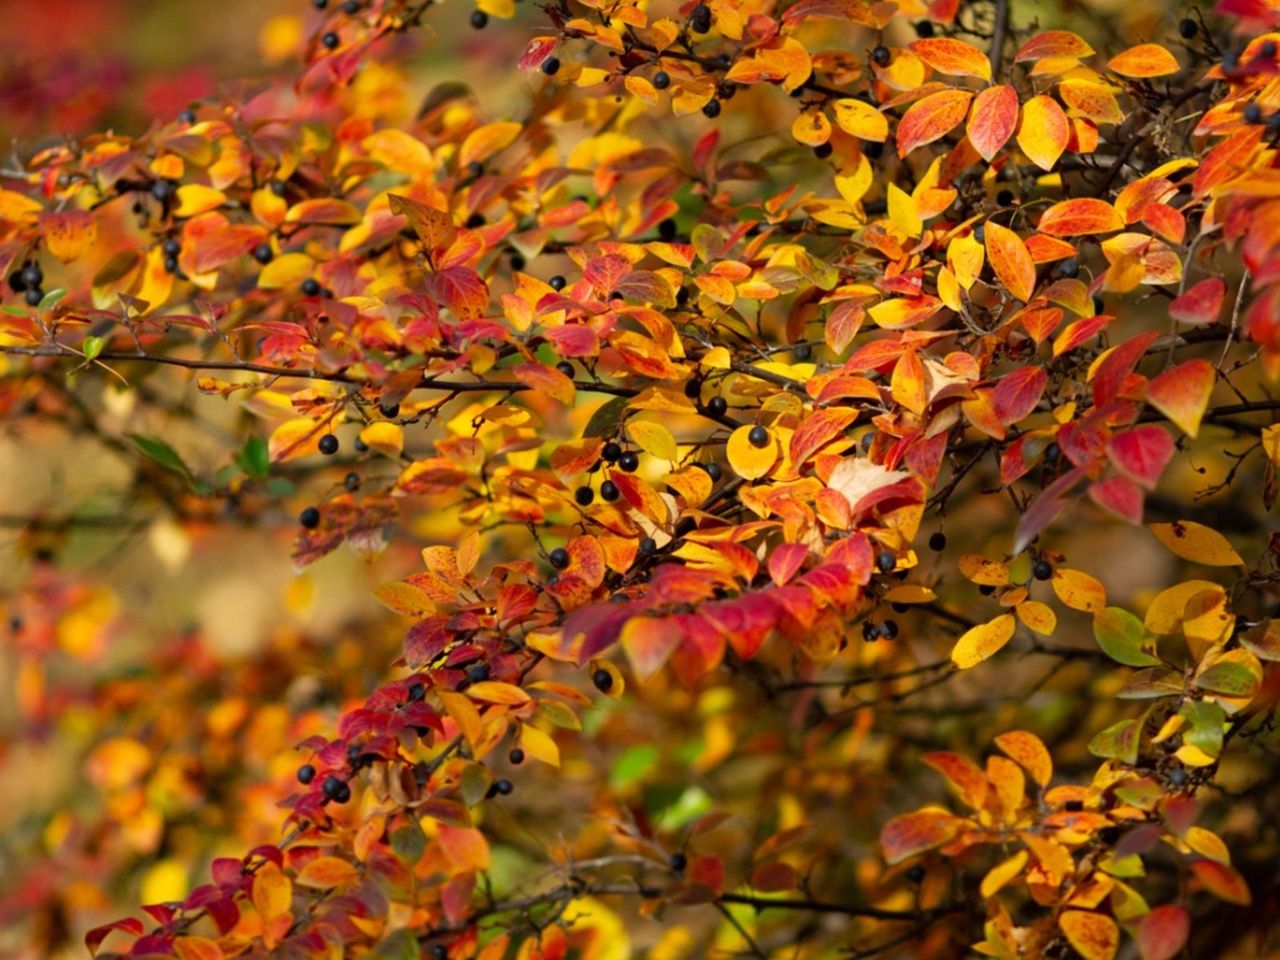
(294, 438)
(285, 271)
(902, 212)
(464, 713)
(493, 691)
(980, 642)
(1079, 591)
(196, 198)
(861, 120)
(749, 461)
(1197, 543)
(1037, 616)
(1094, 935)
(1029, 751)
(484, 142)
(539, 745)
(1002, 873)
(385, 437)
(653, 438)
(272, 892)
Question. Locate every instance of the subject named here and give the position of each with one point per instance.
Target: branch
(997, 36)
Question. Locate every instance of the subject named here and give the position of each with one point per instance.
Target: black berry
(557, 283)
(603, 680)
(187, 116)
(389, 410)
(517, 261)
(611, 452)
(693, 389)
(938, 541)
(647, 546)
(886, 560)
(679, 861)
(551, 66)
(351, 7)
(1004, 198)
(711, 109)
(330, 40)
(802, 351)
(309, 518)
(713, 471)
(1073, 806)
(171, 264)
(332, 787)
(328, 444)
(475, 220)
(33, 296)
(609, 491)
(1252, 113)
(667, 229)
(479, 19)
(924, 29)
(279, 188)
(162, 190)
(717, 406)
(889, 629)
(823, 150)
(417, 692)
(1042, 570)
(439, 952)
(478, 673)
(881, 56)
(980, 233)
(475, 168)
(311, 287)
(559, 558)
(584, 496)
(565, 367)
(504, 787)
(915, 873)
(758, 436)
(661, 80)
(516, 756)
(1052, 452)
(1188, 28)
(1069, 268)
(306, 773)
(986, 589)
(629, 461)
(172, 247)
(262, 253)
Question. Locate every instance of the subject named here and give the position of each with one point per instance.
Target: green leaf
(155, 449)
(1204, 726)
(52, 299)
(1233, 679)
(604, 422)
(1151, 683)
(14, 311)
(254, 458)
(401, 945)
(409, 842)
(1122, 636)
(1118, 742)
(92, 347)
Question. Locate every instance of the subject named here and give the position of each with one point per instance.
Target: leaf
(933, 117)
(1122, 637)
(654, 439)
(747, 460)
(992, 119)
(1119, 496)
(1078, 590)
(272, 892)
(1030, 753)
(1094, 935)
(862, 120)
(157, 450)
(1162, 933)
(1222, 881)
(1197, 543)
(1010, 260)
(817, 430)
(1182, 393)
(1002, 873)
(1119, 741)
(1053, 43)
(914, 833)
(325, 873)
(483, 142)
(953, 57)
(69, 233)
(1016, 394)
(433, 227)
(1143, 61)
(1142, 453)
(1044, 131)
(963, 774)
(1084, 215)
(648, 642)
(980, 642)
(1200, 305)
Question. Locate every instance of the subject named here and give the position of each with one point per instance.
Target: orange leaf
(953, 57)
(1182, 394)
(1053, 43)
(1083, 215)
(748, 460)
(933, 117)
(1079, 591)
(1089, 99)
(1044, 132)
(1144, 60)
(1010, 260)
(913, 833)
(465, 848)
(272, 893)
(963, 774)
(68, 234)
(325, 873)
(648, 642)
(1222, 881)
(992, 119)
(1028, 750)
(1094, 935)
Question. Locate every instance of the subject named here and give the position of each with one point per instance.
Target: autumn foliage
(818, 461)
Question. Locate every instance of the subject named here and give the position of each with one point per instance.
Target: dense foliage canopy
(817, 458)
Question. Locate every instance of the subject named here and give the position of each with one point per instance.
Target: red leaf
(1017, 394)
(1080, 216)
(1200, 305)
(818, 430)
(993, 119)
(1142, 453)
(785, 560)
(914, 833)
(1163, 932)
(1119, 495)
(463, 291)
(131, 925)
(1182, 394)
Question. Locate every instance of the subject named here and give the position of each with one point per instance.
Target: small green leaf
(401, 945)
(1204, 726)
(1233, 679)
(159, 451)
(14, 311)
(409, 842)
(254, 458)
(604, 422)
(1122, 636)
(1118, 742)
(1152, 683)
(92, 347)
(52, 299)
